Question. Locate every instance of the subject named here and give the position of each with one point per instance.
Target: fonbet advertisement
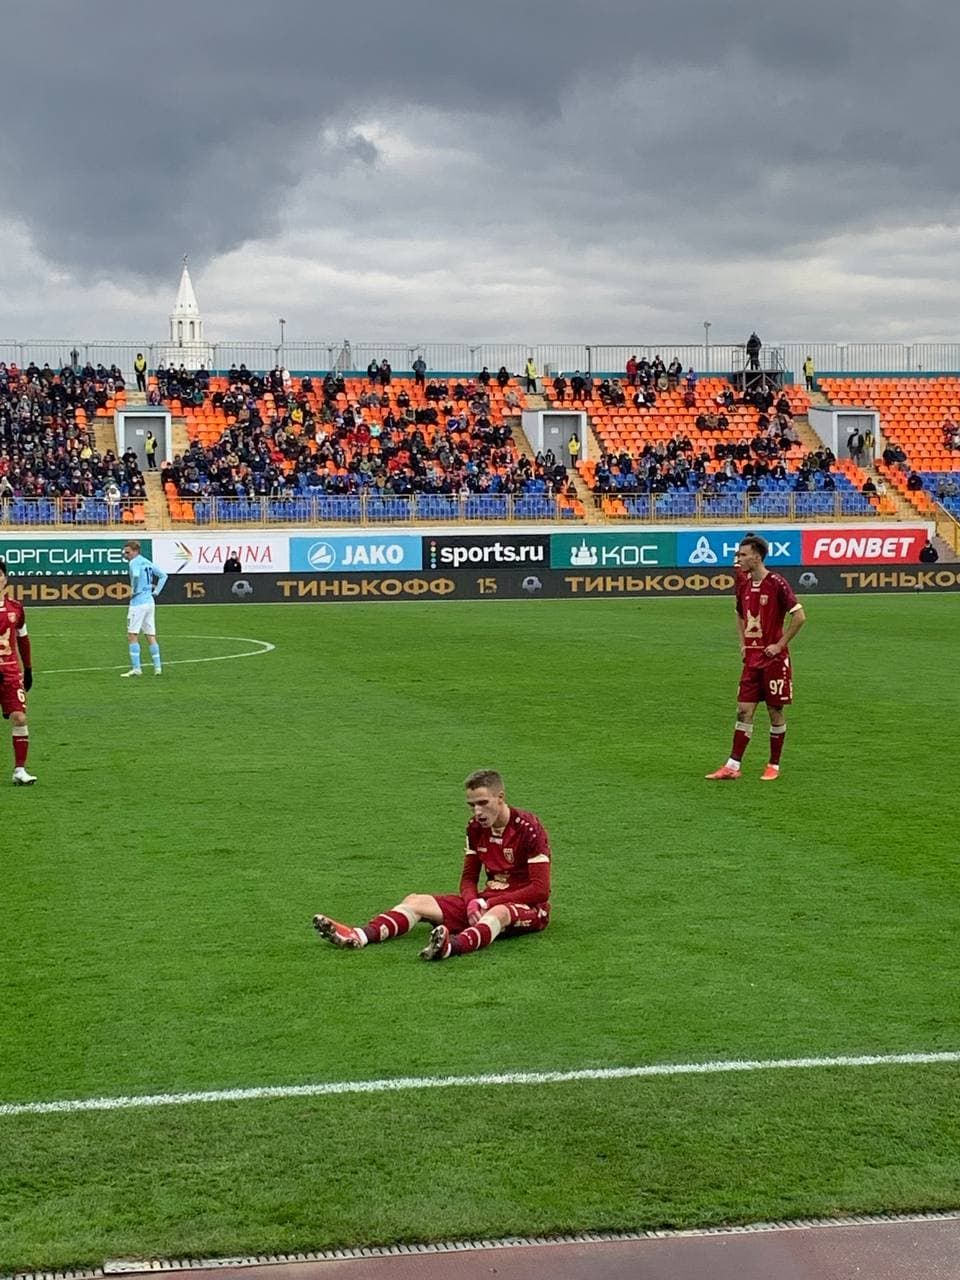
(844, 545)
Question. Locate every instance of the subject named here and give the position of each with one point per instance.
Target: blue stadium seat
(534, 507)
(481, 507)
(724, 506)
(437, 506)
(770, 504)
(815, 504)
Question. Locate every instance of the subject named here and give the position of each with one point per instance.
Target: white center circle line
(264, 647)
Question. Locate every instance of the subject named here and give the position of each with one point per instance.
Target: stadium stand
(699, 450)
(51, 470)
(265, 446)
(920, 426)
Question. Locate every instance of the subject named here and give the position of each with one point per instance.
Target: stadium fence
(600, 359)
(372, 510)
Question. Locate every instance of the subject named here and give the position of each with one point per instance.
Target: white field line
(404, 1083)
(265, 647)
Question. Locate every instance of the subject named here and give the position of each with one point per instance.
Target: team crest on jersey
(763, 599)
(508, 854)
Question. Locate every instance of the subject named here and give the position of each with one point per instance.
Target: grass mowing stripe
(333, 1088)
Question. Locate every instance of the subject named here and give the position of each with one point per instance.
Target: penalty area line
(412, 1083)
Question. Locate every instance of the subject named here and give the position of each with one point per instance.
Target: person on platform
(754, 346)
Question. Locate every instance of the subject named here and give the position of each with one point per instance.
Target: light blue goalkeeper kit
(146, 581)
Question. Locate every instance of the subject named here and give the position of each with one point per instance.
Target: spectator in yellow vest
(573, 448)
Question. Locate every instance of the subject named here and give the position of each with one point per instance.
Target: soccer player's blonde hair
(132, 542)
(488, 778)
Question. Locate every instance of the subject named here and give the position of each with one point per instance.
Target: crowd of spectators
(677, 465)
(181, 384)
(755, 461)
(284, 438)
(46, 447)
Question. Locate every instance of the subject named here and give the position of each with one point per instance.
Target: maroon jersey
(763, 606)
(12, 625)
(516, 862)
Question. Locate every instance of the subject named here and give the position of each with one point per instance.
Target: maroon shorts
(527, 919)
(12, 696)
(772, 683)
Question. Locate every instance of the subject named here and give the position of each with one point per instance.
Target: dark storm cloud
(134, 133)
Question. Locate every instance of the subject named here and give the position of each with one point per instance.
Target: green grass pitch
(158, 883)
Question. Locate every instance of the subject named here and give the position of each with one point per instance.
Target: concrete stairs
(535, 401)
(157, 514)
(181, 438)
(808, 437)
(156, 501)
(104, 435)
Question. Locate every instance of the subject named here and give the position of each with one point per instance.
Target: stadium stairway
(808, 437)
(181, 438)
(584, 493)
(104, 435)
(156, 502)
(157, 514)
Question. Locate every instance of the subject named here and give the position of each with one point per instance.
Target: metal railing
(366, 510)
(948, 527)
(676, 508)
(77, 513)
(603, 359)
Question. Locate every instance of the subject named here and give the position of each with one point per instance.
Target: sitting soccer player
(511, 847)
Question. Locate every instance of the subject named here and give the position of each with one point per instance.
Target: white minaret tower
(186, 344)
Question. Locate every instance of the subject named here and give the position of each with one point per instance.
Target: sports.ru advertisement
(356, 553)
(484, 552)
(716, 547)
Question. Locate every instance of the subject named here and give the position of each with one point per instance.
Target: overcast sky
(491, 171)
